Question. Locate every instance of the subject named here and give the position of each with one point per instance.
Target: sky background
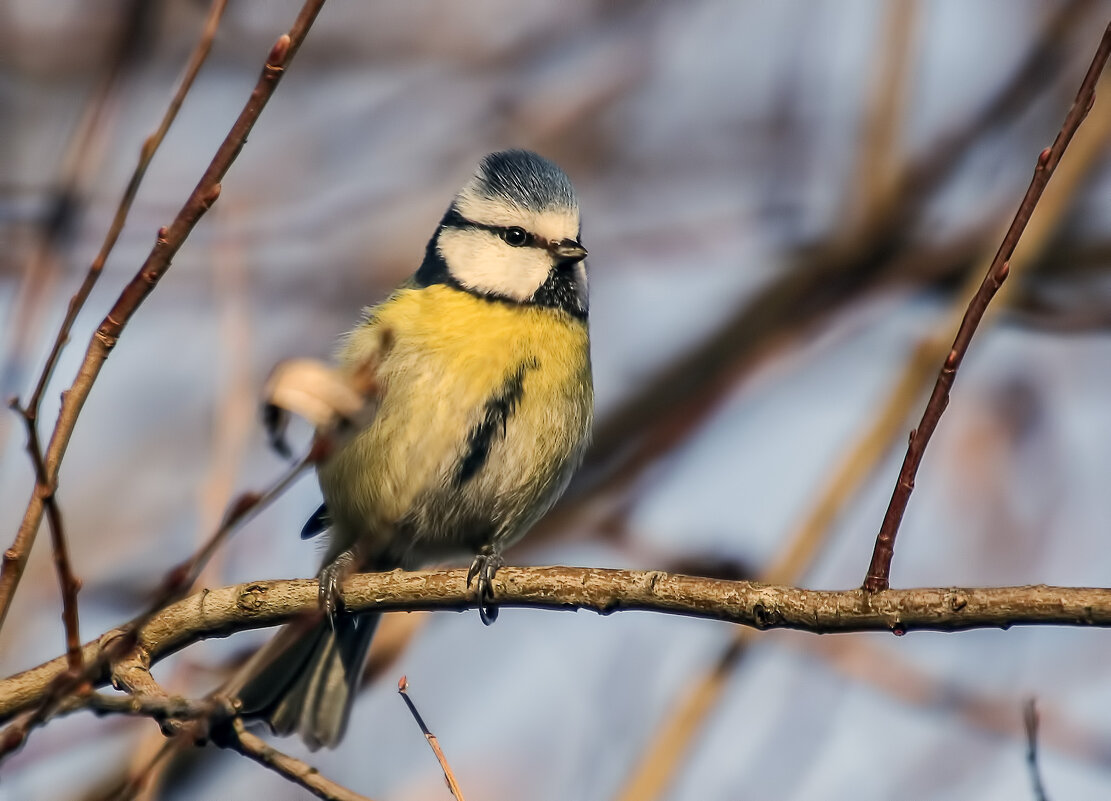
(735, 191)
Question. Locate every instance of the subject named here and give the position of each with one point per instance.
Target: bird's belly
(449, 464)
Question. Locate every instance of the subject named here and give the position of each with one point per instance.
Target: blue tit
(483, 359)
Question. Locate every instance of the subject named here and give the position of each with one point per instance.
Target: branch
(646, 424)
(146, 155)
(433, 743)
(879, 571)
(291, 768)
(669, 744)
(1030, 723)
(169, 241)
(46, 480)
(68, 583)
(221, 612)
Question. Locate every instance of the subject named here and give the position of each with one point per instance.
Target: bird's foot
(483, 569)
(332, 576)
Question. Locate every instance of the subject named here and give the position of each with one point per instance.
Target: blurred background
(785, 204)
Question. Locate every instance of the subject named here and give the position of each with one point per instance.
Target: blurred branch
(668, 746)
(123, 645)
(78, 163)
(169, 241)
(888, 671)
(220, 612)
(57, 228)
(680, 394)
(878, 160)
(46, 479)
(1030, 721)
(291, 768)
(879, 571)
(233, 422)
(146, 155)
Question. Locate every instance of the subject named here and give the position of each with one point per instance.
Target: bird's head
(513, 233)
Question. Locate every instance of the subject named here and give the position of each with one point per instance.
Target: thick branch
(218, 613)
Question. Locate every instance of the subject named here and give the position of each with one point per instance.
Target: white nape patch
(553, 224)
(482, 262)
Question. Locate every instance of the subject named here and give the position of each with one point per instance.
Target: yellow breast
(449, 353)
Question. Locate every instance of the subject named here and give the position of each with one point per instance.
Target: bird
(486, 403)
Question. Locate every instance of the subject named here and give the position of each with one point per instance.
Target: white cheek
(481, 261)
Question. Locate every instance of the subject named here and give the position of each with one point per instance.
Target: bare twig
(1030, 721)
(652, 420)
(123, 641)
(879, 571)
(45, 482)
(220, 612)
(140, 778)
(78, 162)
(291, 768)
(670, 743)
(67, 581)
(449, 777)
(233, 424)
(169, 241)
(146, 155)
(870, 446)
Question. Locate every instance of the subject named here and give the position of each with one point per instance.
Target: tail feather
(305, 681)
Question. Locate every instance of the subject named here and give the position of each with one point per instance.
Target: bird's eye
(515, 237)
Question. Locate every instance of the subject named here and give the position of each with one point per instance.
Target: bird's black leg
(484, 567)
(332, 576)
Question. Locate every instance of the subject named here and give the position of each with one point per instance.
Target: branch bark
(221, 612)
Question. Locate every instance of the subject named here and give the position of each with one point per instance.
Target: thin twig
(449, 777)
(123, 641)
(46, 482)
(298, 772)
(146, 155)
(886, 424)
(677, 396)
(79, 161)
(668, 746)
(169, 241)
(238, 411)
(220, 612)
(1030, 720)
(879, 571)
(68, 583)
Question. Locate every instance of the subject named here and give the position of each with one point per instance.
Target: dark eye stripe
(453, 219)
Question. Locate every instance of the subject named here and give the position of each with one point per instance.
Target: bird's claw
(332, 575)
(485, 566)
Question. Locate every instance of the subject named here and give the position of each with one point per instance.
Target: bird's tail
(305, 679)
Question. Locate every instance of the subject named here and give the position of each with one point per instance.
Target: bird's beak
(569, 251)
